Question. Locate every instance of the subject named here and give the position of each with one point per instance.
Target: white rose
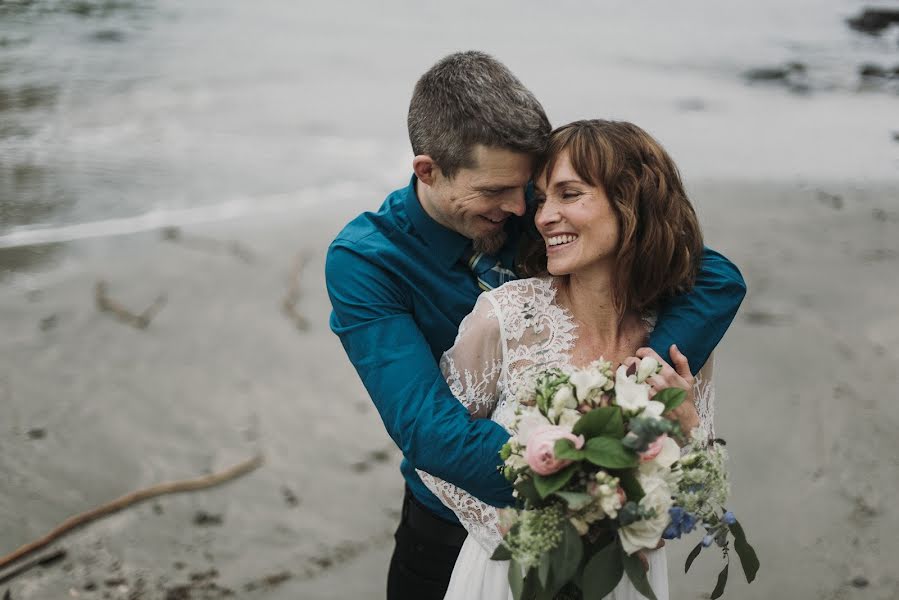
(630, 395)
(529, 420)
(587, 380)
(653, 410)
(646, 533)
(647, 368)
(564, 398)
(669, 455)
(569, 417)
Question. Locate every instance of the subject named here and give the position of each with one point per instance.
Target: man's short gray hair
(470, 98)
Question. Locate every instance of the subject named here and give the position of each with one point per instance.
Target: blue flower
(707, 541)
(688, 523)
(729, 518)
(672, 532)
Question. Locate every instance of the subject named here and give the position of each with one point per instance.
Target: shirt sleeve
(372, 317)
(696, 321)
(473, 367)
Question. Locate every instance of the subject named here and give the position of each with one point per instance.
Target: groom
(401, 279)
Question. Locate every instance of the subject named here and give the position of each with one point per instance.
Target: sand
(806, 381)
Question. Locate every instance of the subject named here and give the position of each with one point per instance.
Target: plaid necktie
(488, 270)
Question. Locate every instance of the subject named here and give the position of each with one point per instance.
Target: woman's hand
(678, 377)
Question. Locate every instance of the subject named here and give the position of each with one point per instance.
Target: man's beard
(490, 244)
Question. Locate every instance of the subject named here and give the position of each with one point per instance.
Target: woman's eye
(570, 195)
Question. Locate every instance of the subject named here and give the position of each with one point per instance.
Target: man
(402, 279)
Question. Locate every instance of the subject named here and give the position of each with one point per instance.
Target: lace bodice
(514, 332)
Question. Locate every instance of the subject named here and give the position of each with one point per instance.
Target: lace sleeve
(704, 396)
(473, 367)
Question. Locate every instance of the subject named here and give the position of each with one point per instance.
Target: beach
(196, 159)
(803, 379)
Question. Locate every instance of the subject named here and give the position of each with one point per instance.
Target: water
(118, 109)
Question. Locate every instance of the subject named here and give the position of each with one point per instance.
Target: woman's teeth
(560, 239)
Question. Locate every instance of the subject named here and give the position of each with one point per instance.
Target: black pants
(424, 555)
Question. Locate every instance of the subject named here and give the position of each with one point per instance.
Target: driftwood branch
(171, 487)
(289, 304)
(40, 561)
(233, 247)
(139, 320)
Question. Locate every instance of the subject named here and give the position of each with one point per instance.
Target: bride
(618, 236)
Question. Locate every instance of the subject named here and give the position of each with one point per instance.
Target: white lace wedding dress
(513, 333)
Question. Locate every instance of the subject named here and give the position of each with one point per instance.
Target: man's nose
(515, 203)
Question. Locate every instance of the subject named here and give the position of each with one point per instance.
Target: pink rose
(540, 451)
(654, 448)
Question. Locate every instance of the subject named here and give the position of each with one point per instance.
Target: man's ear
(425, 169)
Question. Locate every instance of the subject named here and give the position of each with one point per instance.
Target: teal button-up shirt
(399, 291)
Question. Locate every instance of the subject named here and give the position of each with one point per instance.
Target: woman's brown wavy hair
(660, 241)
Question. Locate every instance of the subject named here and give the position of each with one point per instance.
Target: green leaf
(516, 580)
(630, 485)
(603, 572)
(722, 581)
(693, 554)
(527, 488)
(543, 569)
(633, 566)
(748, 558)
(552, 483)
(564, 449)
(609, 452)
(600, 421)
(576, 500)
(502, 552)
(671, 397)
(566, 557)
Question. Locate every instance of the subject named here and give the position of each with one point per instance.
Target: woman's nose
(545, 216)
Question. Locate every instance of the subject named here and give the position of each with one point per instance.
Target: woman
(617, 236)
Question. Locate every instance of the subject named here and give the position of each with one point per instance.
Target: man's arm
(696, 321)
(392, 357)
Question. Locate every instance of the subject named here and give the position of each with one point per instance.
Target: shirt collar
(447, 244)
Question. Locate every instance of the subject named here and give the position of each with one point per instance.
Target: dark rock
(203, 519)
(109, 35)
(178, 565)
(834, 201)
(115, 582)
(860, 581)
(873, 20)
(289, 497)
(90, 586)
(870, 70)
(767, 74)
(37, 433)
(48, 323)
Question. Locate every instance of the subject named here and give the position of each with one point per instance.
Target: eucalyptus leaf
(565, 450)
(693, 554)
(634, 569)
(516, 580)
(602, 572)
(748, 558)
(609, 452)
(552, 483)
(671, 397)
(600, 421)
(722, 581)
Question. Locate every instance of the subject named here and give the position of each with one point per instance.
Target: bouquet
(599, 475)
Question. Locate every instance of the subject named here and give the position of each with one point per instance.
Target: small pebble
(37, 433)
(860, 581)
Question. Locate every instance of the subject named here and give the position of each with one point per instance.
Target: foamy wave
(157, 219)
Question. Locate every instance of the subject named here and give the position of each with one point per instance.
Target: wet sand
(805, 381)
